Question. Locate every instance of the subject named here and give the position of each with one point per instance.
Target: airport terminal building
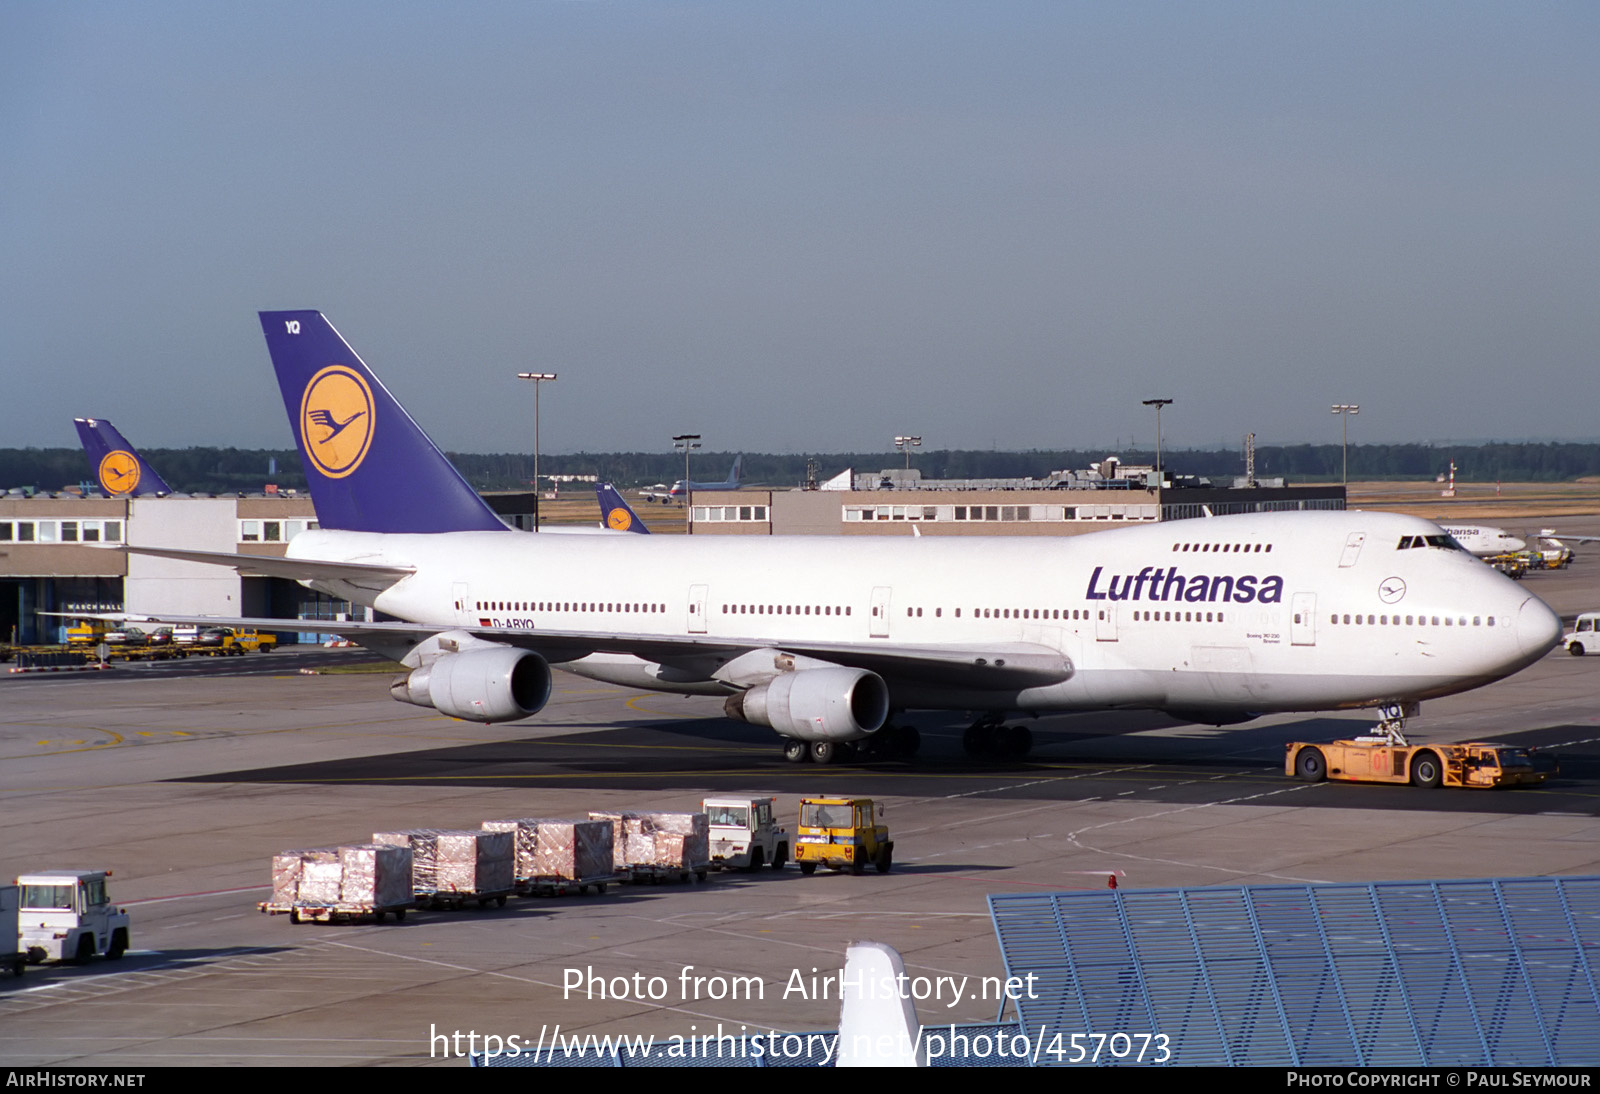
(64, 554)
(1064, 504)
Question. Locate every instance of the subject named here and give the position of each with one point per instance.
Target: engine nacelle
(833, 704)
(481, 685)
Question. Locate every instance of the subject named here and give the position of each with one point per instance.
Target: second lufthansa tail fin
(370, 466)
(118, 468)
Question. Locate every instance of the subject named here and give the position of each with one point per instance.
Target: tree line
(231, 470)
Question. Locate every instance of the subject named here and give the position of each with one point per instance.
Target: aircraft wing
(295, 569)
(998, 666)
(994, 667)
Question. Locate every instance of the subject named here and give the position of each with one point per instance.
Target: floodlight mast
(537, 378)
(1344, 410)
(906, 444)
(1158, 404)
(688, 442)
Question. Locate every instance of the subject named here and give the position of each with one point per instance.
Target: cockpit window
(1444, 543)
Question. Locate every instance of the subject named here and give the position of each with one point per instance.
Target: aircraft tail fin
(118, 467)
(616, 513)
(877, 1028)
(370, 466)
(736, 475)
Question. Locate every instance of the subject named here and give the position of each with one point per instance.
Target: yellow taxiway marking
(117, 739)
(665, 713)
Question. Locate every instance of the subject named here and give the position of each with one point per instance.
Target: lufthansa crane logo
(336, 420)
(1391, 590)
(619, 519)
(119, 472)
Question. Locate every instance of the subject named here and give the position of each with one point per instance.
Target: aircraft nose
(1538, 628)
(1515, 544)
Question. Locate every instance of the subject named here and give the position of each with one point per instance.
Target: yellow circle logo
(119, 472)
(336, 420)
(619, 519)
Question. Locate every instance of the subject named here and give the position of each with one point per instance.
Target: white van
(1583, 637)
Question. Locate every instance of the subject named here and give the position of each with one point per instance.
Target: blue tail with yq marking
(615, 513)
(370, 466)
(118, 468)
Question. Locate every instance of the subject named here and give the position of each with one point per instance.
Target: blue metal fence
(1431, 973)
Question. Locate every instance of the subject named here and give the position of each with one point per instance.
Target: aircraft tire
(1310, 765)
(823, 752)
(796, 752)
(1015, 742)
(978, 741)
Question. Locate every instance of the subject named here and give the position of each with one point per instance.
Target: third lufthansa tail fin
(370, 466)
(615, 513)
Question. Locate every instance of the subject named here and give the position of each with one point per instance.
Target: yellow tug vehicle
(1480, 764)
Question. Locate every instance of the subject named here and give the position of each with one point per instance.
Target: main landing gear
(990, 738)
(889, 743)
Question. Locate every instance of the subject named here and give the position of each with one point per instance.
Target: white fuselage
(1483, 541)
(1298, 611)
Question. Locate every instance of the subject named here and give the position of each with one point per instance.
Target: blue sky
(808, 227)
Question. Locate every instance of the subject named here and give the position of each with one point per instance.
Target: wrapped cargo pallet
(289, 870)
(672, 841)
(470, 863)
(623, 826)
(567, 850)
(694, 849)
(377, 875)
(331, 884)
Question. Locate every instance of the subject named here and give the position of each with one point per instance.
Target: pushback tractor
(1479, 764)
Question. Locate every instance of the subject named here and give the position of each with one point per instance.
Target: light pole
(1158, 404)
(536, 377)
(906, 444)
(688, 442)
(1344, 410)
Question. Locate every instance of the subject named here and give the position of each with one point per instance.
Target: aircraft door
(463, 602)
(1105, 623)
(697, 609)
(880, 611)
(1303, 621)
(1352, 549)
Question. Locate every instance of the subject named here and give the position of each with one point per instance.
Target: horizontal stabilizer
(295, 569)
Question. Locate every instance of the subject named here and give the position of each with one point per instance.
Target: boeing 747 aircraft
(823, 638)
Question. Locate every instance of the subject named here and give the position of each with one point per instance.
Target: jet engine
(823, 704)
(480, 685)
